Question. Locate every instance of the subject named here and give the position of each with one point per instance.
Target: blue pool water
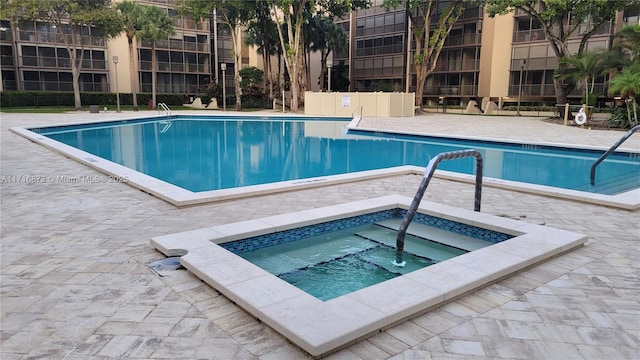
(334, 258)
(202, 153)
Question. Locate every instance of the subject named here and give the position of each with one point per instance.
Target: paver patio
(75, 281)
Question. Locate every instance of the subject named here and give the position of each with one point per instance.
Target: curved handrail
(428, 174)
(355, 111)
(611, 150)
(162, 107)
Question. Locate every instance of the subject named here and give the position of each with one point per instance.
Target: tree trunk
(238, 63)
(154, 74)
(420, 91)
(561, 96)
(267, 71)
(75, 72)
(133, 70)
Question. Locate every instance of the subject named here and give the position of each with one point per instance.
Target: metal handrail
(162, 108)
(611, 150)
(428, 174)
(355, 111)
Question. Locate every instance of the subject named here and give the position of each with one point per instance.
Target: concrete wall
(346, 104)
(495, 56)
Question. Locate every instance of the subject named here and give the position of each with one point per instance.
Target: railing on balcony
(54, 62)
(549, 90)
(176, 44)
(173, 88)
(465, 39)
(535, 63)
(458, 65)
(380, 50)
(524, 36)
(451, 90)
(56, 38)
(528, 35)
(383, 71)
(34, 85)
(176, 67)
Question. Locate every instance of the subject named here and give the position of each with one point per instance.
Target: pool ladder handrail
(162, 108)
(428, 174)
(355, 111)
(610, 151)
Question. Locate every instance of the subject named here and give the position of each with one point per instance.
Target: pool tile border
(322, 327)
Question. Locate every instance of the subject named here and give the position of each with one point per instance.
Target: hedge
(50, 98)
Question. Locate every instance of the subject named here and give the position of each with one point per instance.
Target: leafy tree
(261, 32)
(235, 14)
(251, 76)
(326, 36)
(76, 21)
(340, 77)
(155, 25)
(554, 15)
(630, 41)
(131, 14)
(290, 15)
(429, 38)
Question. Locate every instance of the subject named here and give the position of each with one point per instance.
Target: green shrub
(619, 118)
(54, 98)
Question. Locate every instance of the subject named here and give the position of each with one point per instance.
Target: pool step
(383, 257)
(612, 186)
(441, 236)
(436, 251)
(280, 259)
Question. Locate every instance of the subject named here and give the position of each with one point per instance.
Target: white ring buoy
(581, 117)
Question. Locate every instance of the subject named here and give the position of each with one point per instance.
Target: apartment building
(498, 59)
(379, 44)
(33, 57)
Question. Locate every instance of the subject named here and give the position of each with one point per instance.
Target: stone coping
(323, 327)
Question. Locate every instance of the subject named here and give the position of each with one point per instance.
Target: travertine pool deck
(74, 280)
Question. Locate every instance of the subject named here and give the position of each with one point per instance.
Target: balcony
(56, 38)
(463, 40)
(528, 36)
(458, 65)
(451, 90)
(35, 85)
(60, 63)
(535, 63)
(380, 50)
(176, 67)
(176, 44)
(548, 90)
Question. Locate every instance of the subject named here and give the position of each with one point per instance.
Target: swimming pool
(321, 327)
(192, 159)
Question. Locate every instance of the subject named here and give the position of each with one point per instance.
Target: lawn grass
(110, 108)
(38, 110)
(63, 109)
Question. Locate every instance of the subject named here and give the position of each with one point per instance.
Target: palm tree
(583, 69)
(156, 25)
(131, 13)
(627, 84)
